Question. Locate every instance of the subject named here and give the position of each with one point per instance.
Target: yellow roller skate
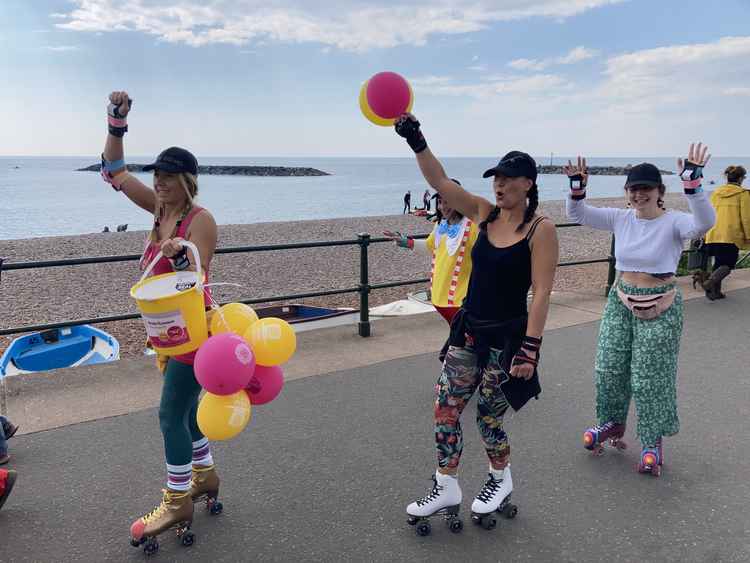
(174, 513)
(204, 485)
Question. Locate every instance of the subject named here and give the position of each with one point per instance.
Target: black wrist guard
(691, 177)
(409, 130)
(180, 260)
(577, 186)
(529, 351)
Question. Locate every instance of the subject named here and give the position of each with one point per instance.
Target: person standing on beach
(426, 197)
(190, 467)
(495, 338)
(639, 336)
(450, 244)
(731, 231)
(407, 202)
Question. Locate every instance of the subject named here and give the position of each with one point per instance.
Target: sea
(45, 196)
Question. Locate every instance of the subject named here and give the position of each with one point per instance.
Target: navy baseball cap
(174, 160)
(513, 165)
(644, 174)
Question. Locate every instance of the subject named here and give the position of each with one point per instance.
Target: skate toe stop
(136, 529)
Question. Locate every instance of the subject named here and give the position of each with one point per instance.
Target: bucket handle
(196, 255)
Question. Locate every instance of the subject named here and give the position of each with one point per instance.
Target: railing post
(364, 285)
(611, 273)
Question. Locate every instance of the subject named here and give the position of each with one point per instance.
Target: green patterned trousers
(638, 358)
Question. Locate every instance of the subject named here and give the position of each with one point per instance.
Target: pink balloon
(224, 364)
(265, 385)
(388, 95)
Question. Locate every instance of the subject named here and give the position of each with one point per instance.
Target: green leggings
(177, 412)
(638, 358)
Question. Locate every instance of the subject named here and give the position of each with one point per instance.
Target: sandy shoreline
(76, 292)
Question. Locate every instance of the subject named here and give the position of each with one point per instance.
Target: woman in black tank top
(495, 338)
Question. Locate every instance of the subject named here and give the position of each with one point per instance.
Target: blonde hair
(189, 183)
(735, 174)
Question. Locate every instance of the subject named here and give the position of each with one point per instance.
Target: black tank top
(500, 277)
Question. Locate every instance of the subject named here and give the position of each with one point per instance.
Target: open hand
(697, 154)
(574, 170)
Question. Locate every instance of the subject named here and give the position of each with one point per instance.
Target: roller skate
(652, 459)
(596, 436)
(174, 513)
(444, 499)
(494, 498)
(204, 486)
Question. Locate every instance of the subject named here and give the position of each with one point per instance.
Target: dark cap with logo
(644, 174)
(174, 160)
(513, 165)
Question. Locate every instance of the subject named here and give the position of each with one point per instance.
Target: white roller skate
(444, 499)
(494, 497)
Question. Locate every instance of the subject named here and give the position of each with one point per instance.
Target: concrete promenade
(324, 472)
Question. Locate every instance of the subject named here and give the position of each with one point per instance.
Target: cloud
(62, 48)
(575, 55)
(540, 85)
(350, 25)
(737, 91)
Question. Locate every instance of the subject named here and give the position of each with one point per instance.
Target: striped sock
(202, 453)
(178, 477)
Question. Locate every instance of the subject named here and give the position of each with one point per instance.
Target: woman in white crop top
(640, 332)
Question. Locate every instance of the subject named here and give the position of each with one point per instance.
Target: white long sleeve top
(652, 246)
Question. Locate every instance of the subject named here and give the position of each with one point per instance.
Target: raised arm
(703, 216)
(114, 170)
(469, 205)
(602, 218)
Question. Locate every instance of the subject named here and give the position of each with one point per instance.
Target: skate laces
(491, 486)
(434, 493)
(156, 513)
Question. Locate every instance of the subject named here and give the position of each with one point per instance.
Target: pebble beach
(36, 296)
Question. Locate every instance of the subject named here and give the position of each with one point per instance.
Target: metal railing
(363, 241)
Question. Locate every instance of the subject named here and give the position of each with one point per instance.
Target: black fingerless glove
(180, 260)
(117, 124)
(691, 175)
(577, 186)
(529, 352)
(409, 130)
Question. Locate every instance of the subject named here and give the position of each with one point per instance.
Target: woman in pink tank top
(190, 469)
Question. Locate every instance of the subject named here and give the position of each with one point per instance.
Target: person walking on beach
(639, 336)
(407, 202)
(426, 199)
(495, 338)
(190, 468)
(450, 245)
(731, 231)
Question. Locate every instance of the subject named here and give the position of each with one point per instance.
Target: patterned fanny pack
(648, 307)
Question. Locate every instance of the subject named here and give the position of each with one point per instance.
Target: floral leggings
(638, 358)
(455, 386)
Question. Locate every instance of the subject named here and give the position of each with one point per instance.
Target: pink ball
(265, 385)
(388, 95)
(224, 364)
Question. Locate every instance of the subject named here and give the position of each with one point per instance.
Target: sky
(282, 77)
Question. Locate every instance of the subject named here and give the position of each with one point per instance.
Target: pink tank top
(164, 266)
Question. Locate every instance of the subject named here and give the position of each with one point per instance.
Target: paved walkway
(324, 472)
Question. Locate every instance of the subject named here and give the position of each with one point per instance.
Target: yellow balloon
(273, 341)
(233, 317)
(367, 110)
(221, 417)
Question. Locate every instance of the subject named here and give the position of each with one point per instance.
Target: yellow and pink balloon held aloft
(385, 97)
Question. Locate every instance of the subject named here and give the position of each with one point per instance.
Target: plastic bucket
(173, 308)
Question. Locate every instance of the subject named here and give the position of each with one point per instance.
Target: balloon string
(215, 305)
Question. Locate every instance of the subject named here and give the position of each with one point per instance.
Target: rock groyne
(594, 170)
(213, 170)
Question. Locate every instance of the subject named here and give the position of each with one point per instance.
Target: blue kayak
(59, 348)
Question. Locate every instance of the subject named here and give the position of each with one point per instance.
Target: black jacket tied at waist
(502, 335)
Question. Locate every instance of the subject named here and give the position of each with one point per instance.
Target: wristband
(405, 242)
(180, 260)
(409, 130)
(112, 165)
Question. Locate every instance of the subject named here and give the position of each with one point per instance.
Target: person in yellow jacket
(731, 231)
(450, 244)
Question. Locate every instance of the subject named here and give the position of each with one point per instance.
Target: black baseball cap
(513, 165)
(174, 160)
(644, 174)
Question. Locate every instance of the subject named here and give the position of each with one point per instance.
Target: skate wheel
(455, 525)
(188, 538)
(412, 520)
(136, 543)
(597, 450)
(423, 528)
(216, 508)
(656, 471)
(510, 511)
(151, 547)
